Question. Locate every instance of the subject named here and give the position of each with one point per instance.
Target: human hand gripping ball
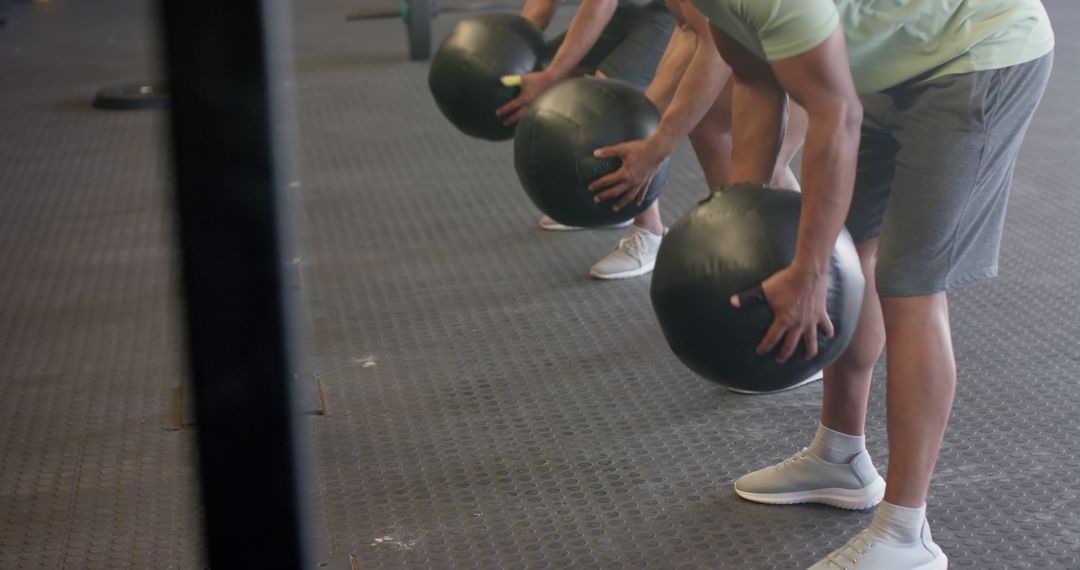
(797, 298)
(555, 142)
(532, 85)
(465, 72)
(641, 160)
(737, 304)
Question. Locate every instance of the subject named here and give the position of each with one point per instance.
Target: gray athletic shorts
(630, 46)
(934, 169)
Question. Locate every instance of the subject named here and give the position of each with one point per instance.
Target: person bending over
(916, 114)
(686, 80)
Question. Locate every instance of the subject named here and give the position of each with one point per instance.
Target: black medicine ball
(730, 242)
(556, 138)
(465, 72)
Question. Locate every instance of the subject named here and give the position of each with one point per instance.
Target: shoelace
(850, 552)
(633, 244)
(795, 458)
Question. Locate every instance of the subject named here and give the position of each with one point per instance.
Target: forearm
(589, 22)
(539, 12)
(697, 89)
(673, 64)
(828, 180)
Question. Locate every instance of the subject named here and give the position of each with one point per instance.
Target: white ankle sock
(896, 524)
(836, 447)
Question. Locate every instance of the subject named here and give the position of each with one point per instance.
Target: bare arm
(820, 81)
(540, 12)
(589, 21)
(691, 81)
(699, 84)
(673, 63)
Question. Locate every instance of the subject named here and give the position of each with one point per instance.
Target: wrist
(810, 269)
(552, 74)
(663, 140)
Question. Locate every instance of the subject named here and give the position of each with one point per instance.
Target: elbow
(851, 115)
(837, 119)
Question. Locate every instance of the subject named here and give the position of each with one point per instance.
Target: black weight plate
(418, 21)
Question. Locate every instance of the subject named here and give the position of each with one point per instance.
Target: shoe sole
(565, 228)
(561, 228)
(813, 378)
(849, 499)
(624, 275)
(939, 563)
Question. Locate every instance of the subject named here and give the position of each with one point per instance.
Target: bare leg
(711, 139)
(847, 381)
(921, 387)
(712, 143)
(650, 219)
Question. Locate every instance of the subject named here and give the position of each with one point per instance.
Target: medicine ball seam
(464, 74)
(578, 116)
(694, 273)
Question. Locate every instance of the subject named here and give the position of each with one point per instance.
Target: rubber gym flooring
(480, 403)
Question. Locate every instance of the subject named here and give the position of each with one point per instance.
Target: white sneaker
(548, 223)
(865, 551)
(811, 378)
(804, 478)
(634, 255)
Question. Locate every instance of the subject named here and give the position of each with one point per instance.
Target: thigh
(959, 137)
(642, 35)
(611, 37)
(876, 167)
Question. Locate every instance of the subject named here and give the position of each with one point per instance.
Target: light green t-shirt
(892, 41)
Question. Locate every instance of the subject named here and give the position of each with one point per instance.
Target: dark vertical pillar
(230, 125)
